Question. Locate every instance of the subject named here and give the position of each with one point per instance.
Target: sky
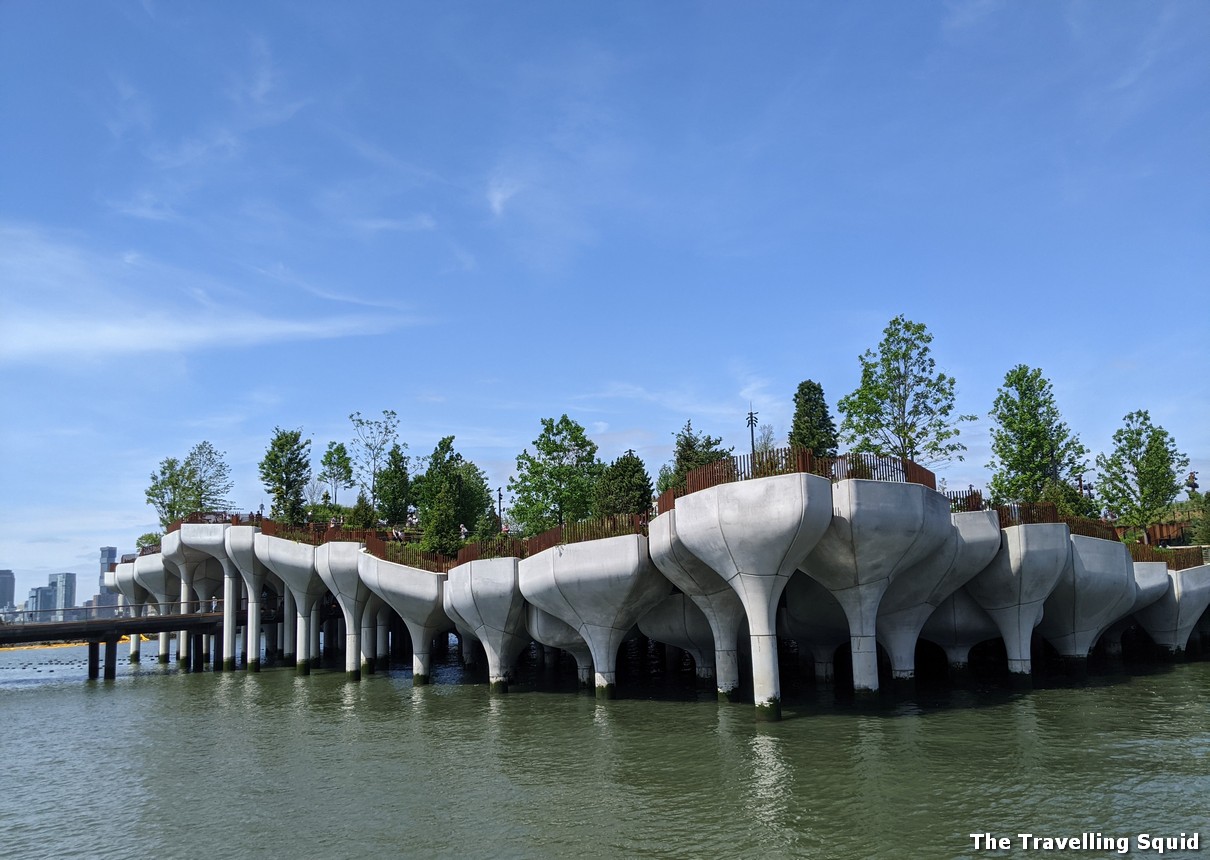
(219, 219)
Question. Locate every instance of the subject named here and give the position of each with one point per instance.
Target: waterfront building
(8, 589)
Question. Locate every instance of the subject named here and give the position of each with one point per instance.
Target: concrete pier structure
(1171, 619)
(294, 565)
(487, 595)
(209, 538)
(815, 620)
(912, 597)
(240, 544)
(1150, 582)
(336, 564)
(1013, 588)
(136, 600)
(161, 582)
(1093, 592)
(878, 530)
(677, 621)
(600, 588)
(720, 605)
(958, 625)
(755, 534)
(556, 634)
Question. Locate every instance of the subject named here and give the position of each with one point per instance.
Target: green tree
(373, 439)
(337, 469)
(691, 451)
(452, 493)
(903, 407)
(556, 484)
(200, 482)
(394, 486)
(1035, 455)
(362, 514)
(285, 472)
(624, 487)
(1143, 474)
(812, 427)
(150, 539)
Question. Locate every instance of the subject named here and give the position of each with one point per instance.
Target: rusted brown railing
(499, 547)
(786, 461)
(1032, 513)
(966, 501)
(231, 518)
(149, 550)
(585, 530)
(408, 554)
(1177, 557)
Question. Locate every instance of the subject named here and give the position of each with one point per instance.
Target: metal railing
(1177, 557)
(231, 518)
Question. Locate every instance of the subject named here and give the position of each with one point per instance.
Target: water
(170, 765)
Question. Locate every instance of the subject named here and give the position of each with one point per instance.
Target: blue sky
(220, 218)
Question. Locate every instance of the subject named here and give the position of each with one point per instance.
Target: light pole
(752, 427)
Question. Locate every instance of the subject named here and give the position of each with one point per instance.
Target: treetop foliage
(285, 471)
(692, 450)
(373, 437)
(1141, 477)
(903, 406)
(624, 487)
(556, 484)
(199, 482)
(812, 427)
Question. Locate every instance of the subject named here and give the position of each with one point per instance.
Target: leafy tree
(812, 427)
(766, 439)
(173, 491)
(200, 482)
(1036, 456)
(556, 484)
(902, 407)
(1200, 502)
(362, 515)
(624, 487)
(692, 450)
(374, 438)
(1144, 473)
(149, 539)
(285, 472)
(394, 486)
(337, 471)
(452, 492)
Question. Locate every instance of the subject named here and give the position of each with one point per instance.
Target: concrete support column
(302, 661)
(230, 605)
(313, 635)
(369, 641)
(253, 631)
(199, 658)
(422, 643)
(383, 657)
(353, 649)
(182, 637)
(290, 629)
(94, 660)
(162, 657)
(136, 642)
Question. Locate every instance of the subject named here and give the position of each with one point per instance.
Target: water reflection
(771, 780)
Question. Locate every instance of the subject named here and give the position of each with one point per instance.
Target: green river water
(163, 764)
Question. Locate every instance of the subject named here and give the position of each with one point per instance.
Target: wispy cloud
(422, 221)
(500, 190)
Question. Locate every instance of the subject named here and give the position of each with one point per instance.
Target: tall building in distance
(105, 603)
(55, 600)
(8, 589)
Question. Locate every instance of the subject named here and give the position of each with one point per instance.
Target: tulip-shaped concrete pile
(914, 595)
(486, 594)
(416, 595)
(208, 537)
(755, 534)
(136, 598)
(1172, 618)
(814, 619)
(553, 633)
(1094, 591)
(958, 625)
(294, 564)
(600, 588)
(161, 582)
(710, 592)
(1150, 582)
(1014, 587)
(676, 620)
(878, 529)
(240, 543)
(336, 564)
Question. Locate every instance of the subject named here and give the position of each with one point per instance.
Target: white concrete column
(230, 604)
(303, 658)
(289, 628)
(383, 658)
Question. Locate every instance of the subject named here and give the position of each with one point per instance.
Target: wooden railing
(787, 461)
(1177, 557)
(407, 554)
(232, 518)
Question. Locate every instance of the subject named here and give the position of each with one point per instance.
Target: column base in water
(352, 674)
(498, 686)
(605, 685)
(731, 694)
(768, 711)
(254, 665)
(302, 667)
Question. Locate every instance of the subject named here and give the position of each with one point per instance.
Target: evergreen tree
(556, 484)
(624, 487)
(362, 514)
(394, 486)
(903, 406)
(812, 427)
(691, 451)
(1143, 474)
(337, 471)
(285, 472)
(1035, 456)
(452, 492)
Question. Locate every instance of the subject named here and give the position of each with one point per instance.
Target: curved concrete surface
(553, 633)
(1150, 582)
(136, 599)
(486, 594)
(755, 534)
(209, 538)
(160, 580)
(1014, 586)
(417, 597)
(294, 564)
(709, 592)
(1171, 618)
(814, 619)
(914, 595)
(336, 564)
(1094, 591)
(600, 588)
(878, 530)
(240, 544)
(958, 625)
(676, 620)
(185, 561)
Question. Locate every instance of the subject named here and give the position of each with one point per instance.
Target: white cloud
(499, 191)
